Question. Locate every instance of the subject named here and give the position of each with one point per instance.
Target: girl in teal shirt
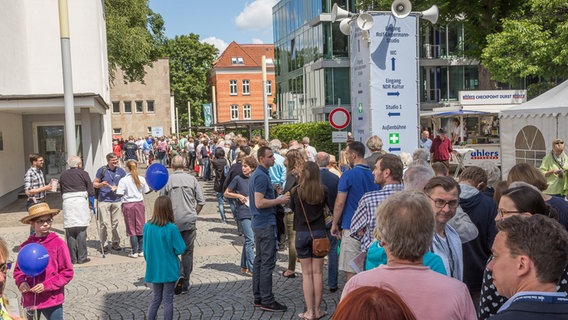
(162, 245)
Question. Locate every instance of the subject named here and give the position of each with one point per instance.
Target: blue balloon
(33, 259)
(157, 176)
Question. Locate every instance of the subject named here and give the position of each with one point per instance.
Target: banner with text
(207, 115)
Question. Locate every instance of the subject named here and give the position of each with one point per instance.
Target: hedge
(318, 132)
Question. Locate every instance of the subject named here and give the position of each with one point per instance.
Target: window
(115, 107)
(139, 107)
(269, 111)
(234, 112)
(269, 87)
(149, 130)
(246, 112)
(127, 106)
(233, 87)
(237, 60)
(116, 130)
(246, 87)
(150, 106)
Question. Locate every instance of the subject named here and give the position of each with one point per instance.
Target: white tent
(527, 130)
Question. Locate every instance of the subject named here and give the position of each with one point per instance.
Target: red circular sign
(339, 118)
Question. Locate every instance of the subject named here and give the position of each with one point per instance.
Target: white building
(31, 88)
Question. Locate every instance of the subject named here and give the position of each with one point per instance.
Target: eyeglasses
(5, 266)
(503, 212)
(440, 203)
(42, 221)
(559, 142)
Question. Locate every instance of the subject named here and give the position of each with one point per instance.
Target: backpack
(98, 190)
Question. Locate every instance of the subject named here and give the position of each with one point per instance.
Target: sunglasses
(559, 142)
(503, 212)
(42, 221)
(5, 266)
(439, 203)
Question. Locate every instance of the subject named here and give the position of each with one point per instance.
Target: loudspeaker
(430, 14)
(365, 21)
(401, 8)
(338, 14)
(345, 26)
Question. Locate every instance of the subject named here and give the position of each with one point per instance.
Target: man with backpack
(105, 183)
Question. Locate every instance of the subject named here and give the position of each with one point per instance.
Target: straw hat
(38, 210)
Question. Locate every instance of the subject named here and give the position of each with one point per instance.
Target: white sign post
(339, 118)
(384, 87)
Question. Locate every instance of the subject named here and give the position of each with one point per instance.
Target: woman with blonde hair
(307, 201)
(294, 163)
(132, 189)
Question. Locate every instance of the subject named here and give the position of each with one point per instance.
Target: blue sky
(218, 22)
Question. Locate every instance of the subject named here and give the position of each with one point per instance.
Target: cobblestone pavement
(113, 287)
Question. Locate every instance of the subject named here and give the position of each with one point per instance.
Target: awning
(489, 108)
(451, 113)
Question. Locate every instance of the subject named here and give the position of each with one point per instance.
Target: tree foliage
(134, 34)
(319, 133)
(190, 60)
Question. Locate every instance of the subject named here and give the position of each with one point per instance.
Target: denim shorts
(304, 243)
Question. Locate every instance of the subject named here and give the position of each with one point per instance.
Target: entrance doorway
(50, 143)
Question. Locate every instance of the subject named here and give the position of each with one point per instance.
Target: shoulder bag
(320, 246)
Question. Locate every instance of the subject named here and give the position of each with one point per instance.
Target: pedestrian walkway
(113, 287)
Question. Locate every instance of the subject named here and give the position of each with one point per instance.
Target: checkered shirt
(32, 180)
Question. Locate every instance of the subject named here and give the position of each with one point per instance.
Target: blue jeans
(206, 169)
(161, 291)
(247, 255)
(221, 205)
(264, 263)
(186, 265)
(52, 313)
(333, 262)
(136, 244)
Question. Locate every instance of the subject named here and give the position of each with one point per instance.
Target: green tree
(190, 60)
(134, 35)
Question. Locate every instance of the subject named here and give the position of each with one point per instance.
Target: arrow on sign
(393, 149)
(393, 60)
(393, 93)
(396, 114)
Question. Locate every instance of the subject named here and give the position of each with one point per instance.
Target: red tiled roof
(251, 54)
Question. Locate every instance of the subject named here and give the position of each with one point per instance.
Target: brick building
(137, 107)
(237, 78)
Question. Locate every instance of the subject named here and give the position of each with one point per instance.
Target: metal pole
(177, 123)
(214, 108)
(189, 116)
(264, 102)
(70, 139)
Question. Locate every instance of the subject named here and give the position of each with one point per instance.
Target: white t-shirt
(129, 191)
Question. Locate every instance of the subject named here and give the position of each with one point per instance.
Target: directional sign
(339, 118)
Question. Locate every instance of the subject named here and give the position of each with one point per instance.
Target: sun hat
(442, 131)
(39, 210)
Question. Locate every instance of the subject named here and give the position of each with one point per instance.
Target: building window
(269, 111)
(116, 130)
(150, 106)
(234, 112)
(127, 106)
(246, 112)
(139, 107)
(233, 87)
(237, 60)
(246, 87)
(269, 87)
(115, 107)
(149, 130)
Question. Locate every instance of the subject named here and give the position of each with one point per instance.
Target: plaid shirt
(365, 217)
(32, 180)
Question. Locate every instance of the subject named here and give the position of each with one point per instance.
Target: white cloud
(256, 16)
(257, 41)
(217, 43)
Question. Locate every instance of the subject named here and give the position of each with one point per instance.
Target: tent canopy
(452, 113)
(552, 101)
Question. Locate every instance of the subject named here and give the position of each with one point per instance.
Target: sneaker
(274, 307)
(116, 247)
(133, 255)
(141, 254)
(256, 303)
(179, 286)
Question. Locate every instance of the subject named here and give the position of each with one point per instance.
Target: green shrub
(318, 132)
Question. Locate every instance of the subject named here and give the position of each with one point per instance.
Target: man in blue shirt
(529, 257)
(262, 201)
(106, 180)
(353, 184)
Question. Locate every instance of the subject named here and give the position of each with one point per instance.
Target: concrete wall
(13, 166)
(30, 58)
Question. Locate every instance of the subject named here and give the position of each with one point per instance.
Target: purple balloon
(33, 259)
(157, 176)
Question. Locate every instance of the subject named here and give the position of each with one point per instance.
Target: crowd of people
(412, 242)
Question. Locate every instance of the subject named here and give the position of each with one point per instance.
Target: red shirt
(441, 149)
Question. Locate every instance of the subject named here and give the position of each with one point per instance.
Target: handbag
(320, 246)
